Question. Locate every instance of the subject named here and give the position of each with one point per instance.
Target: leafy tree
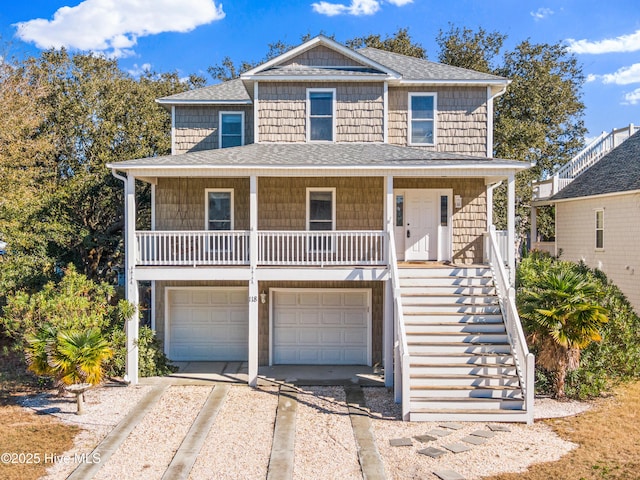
(400, 42)
(539, 117)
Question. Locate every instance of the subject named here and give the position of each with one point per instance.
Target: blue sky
(189, 35)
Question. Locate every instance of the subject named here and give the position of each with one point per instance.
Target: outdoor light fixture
(263, 297)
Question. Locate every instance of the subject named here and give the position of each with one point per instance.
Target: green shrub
(615, 358)
(76, 303)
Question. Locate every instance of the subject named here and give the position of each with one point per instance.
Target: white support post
(490, 206)
(534, 226)
(256, 117)
(489, 123)
(385, 113)
(253, 283)
(388, 325)
(132, 323)
(511, 230)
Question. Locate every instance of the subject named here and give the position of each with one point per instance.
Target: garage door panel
(318, 327)
(205, 325)
(238, 298)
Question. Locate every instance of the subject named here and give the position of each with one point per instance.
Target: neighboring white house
(598, 218)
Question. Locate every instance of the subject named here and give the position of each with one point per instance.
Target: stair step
(469, 415)
(447, 348)
(452, 327)
(456, 403)
(491, 309)
(465, 272)
(449, 317)
(414, 338)
(462, 358)
(461, 369)
(455, 381)
(449, 300)
(427, 392)
(448, 290)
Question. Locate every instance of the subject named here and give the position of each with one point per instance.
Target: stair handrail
(507, 298)
(402, 386)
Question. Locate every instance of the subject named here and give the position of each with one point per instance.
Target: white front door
(421, 225)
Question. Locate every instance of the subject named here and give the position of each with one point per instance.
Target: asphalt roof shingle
(315, 155)
(617, 171)
(233, 90)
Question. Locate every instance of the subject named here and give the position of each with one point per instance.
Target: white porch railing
(502, 241)
(525, 362)
(291, 248)
(327, 248)
(192, 248)
(402, 360)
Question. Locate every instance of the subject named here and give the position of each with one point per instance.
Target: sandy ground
(239, 443)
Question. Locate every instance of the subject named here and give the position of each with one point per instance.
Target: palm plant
(562, 316)
(68, 356)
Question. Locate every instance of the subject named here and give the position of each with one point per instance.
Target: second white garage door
(321, 327)
(207, 324)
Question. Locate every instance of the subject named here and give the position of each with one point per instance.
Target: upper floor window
(321, 112)
(422, 118)
(599, 229)
(231, 131)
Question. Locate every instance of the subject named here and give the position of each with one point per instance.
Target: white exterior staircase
(461, 363)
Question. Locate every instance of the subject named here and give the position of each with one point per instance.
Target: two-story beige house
(333, 207)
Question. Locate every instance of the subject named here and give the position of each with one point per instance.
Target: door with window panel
(220, 218)
(321, 213)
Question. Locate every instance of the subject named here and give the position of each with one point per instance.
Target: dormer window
(321, 112)
(231, 129)
(422, 118)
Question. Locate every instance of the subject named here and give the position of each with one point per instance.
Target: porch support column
(388, 327)
(132, 323)
(534, 227)
(511, 227)
(253, 283)
(490, 188)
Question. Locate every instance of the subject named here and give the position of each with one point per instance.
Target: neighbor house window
(219, 209)
(321, 209)
(422, 118)
(321, 109)
(599, 229)
(231, 131)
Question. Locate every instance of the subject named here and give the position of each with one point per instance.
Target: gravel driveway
(239, 442)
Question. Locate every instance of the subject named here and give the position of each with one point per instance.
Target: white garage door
(208, 324)
(328, 327)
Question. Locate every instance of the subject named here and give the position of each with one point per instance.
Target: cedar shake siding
(461, 122)
(180, 202)
(377, 299)
(321, 56)
(196, 128)
(359, 111)
(469, 222)
(180, 205)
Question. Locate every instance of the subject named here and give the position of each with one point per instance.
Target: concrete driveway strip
(119, 434)
(370, 461)
(284, 434)
(187, 454)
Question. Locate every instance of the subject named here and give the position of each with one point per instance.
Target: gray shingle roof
(233, 90)
(316, 155)
(618, 171)
(413, 68)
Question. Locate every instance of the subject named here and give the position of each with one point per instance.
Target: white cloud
(624, 76)
(632, 98)
(541, 13)
(113, 27)
(139, 70)
(356, 7)
(623, 43)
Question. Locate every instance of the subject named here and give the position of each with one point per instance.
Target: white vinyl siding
(422, 118)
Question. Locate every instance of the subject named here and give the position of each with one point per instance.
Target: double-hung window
(599, 229)
(321, 216)
(231, 129)
(422, 118)
(321, 109)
